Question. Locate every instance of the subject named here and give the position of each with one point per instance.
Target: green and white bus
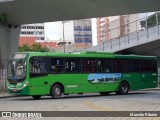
(38, 73)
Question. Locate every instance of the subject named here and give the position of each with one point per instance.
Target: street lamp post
(63, 38)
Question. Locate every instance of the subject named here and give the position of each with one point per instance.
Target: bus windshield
(16, 70)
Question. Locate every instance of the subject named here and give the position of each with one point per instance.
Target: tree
(44, 49)
(35, 47)
(151, 21)
(24, 48)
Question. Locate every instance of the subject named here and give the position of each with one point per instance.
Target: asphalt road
(134, 101)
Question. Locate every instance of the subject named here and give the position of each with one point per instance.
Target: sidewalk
(149, 89)
(6, 95)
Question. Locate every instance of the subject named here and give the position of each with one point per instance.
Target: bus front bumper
(16, 91)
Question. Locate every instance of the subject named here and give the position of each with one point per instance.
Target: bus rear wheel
(123, 89)
(36, 97)
(56, 91)
(104, 93)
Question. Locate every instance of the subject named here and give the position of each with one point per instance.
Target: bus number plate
(14, 90)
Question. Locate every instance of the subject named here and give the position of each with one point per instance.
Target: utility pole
(63, 38)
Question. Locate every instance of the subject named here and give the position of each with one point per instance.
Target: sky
(52, 31)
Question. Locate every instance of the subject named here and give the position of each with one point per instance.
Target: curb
(8, 96)
(149, 89)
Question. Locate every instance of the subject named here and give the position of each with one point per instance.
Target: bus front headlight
(25, 84)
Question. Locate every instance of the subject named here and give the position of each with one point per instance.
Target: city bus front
(16, 74)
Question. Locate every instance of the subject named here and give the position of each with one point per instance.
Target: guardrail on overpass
(130, 40)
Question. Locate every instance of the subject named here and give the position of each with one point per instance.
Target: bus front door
(38, 76)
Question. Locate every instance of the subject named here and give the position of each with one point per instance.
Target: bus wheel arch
(56, 90)
(124, 88)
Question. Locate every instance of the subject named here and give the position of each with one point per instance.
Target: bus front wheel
(56, 91)
(123, 89)
(36, 97)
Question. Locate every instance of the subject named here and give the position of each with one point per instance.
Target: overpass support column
(159, 71)
(9, 38)
(14, 38)
(157, 22)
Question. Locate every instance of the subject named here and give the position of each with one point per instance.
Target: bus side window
(56, 65)
(72, 65)
(133, 65)
(115, 65)
(38, 67)
(53, 67)
(89, 65)
(85, 66)
(107, 66)
(100, 66)
(154, 65)
(148, 66)
(94, 66)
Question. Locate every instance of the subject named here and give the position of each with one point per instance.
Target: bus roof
(87, 54)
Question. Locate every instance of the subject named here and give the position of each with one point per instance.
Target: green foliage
(35, 47)
(151, 21)
(24, 48)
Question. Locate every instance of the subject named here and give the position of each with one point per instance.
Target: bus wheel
(36, 97)
(123, 88)
(104, 93)
(56, 91)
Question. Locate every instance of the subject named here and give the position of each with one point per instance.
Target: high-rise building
(116, 26)
(33, 31)
(78, 32)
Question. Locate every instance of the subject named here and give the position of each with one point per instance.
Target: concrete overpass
(34, 11)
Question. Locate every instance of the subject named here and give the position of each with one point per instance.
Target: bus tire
(123, 89)
(36, 97)
(56, 91)
(104, 93)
